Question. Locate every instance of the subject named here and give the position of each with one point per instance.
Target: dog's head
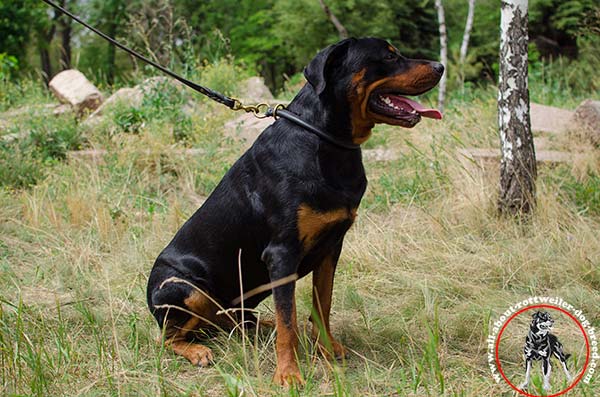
(541, 323)
(373, 78)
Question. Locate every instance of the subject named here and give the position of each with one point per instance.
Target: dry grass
(423, 273)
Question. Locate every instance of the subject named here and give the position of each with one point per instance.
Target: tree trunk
(517, 168)
(467, 34)
(111, 55)
(115, 14)
(44, 41)
(443, 53)
(65, 50)
(45, 62)
(336, 22)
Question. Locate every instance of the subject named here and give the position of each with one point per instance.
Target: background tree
(44, 25)
(66, 30)
(110, 15)
(336, 22)
(443, 53)
(518, 168)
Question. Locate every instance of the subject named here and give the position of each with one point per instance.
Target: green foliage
(223, 75)
(583, 194)
(414, 178)
(8, 65)
(129, 119)
(27, 159)
(15, 26)
(563, 81)
(14, 93)
(555, 17)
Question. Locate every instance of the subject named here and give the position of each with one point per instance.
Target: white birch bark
(443, 53)
(518, 168)
(467, 34)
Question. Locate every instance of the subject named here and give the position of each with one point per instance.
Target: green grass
(425, 270)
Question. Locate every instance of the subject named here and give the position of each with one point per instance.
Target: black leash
(232, 103)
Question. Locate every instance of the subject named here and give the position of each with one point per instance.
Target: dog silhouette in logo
(540, 344)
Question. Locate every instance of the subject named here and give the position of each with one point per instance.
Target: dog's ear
(317, 70)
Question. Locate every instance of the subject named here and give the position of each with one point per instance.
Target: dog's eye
(390, 56)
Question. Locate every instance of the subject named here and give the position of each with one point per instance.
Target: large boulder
(246, 128)
(254, 89)
(130, 97)
(72, 87)
(549, 119)
(586, 121)
(154, 83)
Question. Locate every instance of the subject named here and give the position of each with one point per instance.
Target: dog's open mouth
(399, 110)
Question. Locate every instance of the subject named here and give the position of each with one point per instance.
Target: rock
(550, 119)
(254, 89)
(72, 87)
(484, 157)
(587, 121)
(131, 97)
(247, 128)
(380, 154)
(62, 109)
(158, 82)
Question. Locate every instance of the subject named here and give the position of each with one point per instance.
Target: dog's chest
(318, 227)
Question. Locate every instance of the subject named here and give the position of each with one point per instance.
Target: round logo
(542, 349)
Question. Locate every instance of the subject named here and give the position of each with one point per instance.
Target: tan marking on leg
(311, 222)
(322, 294)
(203, 314)
(195, 353)
(287, 371)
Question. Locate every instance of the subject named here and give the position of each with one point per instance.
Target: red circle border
(587, 346)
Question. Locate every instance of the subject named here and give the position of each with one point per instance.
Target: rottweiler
(283, 208)
(541, 345)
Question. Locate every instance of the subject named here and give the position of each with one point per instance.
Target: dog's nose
(438, 67)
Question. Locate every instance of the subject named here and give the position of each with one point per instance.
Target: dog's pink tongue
(423, 111)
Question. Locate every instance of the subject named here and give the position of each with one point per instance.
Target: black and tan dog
(287, 203)
(540, 344)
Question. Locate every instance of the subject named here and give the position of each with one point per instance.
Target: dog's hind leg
(524, 385)
(546, 369)
(562, 357)
(182, 311)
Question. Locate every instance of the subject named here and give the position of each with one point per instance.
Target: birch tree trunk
(518, 168)
(443, 53)
(342, 31)
(467, 34)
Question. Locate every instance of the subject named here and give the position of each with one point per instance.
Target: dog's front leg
(524, 385)
(322, 294)
(546, 369)
(282, 263)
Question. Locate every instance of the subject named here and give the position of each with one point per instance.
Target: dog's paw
(339, 351)
(288, 374)
(523, 386)
(546, 386)
(199, 355)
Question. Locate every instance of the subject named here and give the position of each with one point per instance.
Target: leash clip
(260, 111)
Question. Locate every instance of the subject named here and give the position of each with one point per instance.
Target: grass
(425, 270)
